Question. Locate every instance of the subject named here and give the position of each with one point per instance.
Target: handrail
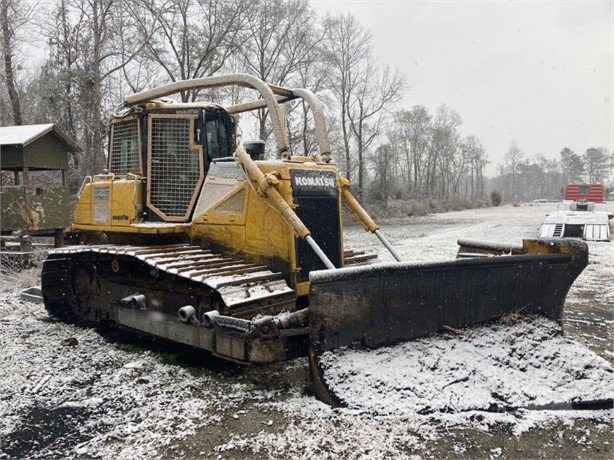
(319, 120)
(238, 79)
(86, 180)
(272, 95)
(107, 176)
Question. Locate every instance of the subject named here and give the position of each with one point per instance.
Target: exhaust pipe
(187, 314)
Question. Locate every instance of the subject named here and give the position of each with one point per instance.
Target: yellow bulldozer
(198, 239)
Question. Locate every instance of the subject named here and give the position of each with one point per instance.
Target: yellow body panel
(253, 229)
(302, 288)
(82, 213)
(109, 204)
(126, 202)
(229, 216)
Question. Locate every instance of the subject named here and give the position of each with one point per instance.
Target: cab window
(218, 135)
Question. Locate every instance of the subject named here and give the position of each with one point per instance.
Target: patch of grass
(15, 277)
(509, 319)
(422, 207)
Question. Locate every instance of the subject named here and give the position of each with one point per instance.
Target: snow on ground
(493, 368)
(115, 396)
(96, 398)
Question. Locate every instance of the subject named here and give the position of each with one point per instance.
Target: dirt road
(115, 395)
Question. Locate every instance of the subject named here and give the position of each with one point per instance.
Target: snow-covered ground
(499, 368)
(116, 396)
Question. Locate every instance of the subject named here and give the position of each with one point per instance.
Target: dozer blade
(381, 305)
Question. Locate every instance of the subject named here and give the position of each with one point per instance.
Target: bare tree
(476, 154)
(92, 40)
(193, 38)
(374, 95)
(435, 160)
(312, 74)
(345, 46)
(384, 161)
(442, 150)
(14, 17)
(415, 133)
(280, 39)
(60, 73)
(364, 93)
(511, 169)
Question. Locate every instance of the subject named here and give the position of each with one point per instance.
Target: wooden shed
(27, 207)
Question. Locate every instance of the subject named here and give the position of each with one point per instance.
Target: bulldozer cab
(170, 150)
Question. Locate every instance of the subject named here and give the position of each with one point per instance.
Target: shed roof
(25, 134)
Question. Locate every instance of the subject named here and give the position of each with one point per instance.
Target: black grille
(318, 208)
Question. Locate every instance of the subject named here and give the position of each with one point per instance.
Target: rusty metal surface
(229, 338)
(239, 283)
(383, 304)
(471, 248)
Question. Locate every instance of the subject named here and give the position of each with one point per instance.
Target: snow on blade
(490, 368)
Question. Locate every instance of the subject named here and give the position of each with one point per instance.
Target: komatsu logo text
(320, 181)
(314, 182)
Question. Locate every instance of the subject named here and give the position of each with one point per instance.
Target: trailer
(589, 193)
(588, 225)
(578, 215)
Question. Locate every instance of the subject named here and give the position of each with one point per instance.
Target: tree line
(523, 178)
(426, 156)
(96, 52)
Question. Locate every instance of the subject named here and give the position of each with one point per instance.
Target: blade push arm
(363, 217)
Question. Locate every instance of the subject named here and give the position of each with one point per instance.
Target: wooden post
(25, 242)
(16, 177)
(59, 238)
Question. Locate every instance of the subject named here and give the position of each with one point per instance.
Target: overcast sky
(536, 72)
